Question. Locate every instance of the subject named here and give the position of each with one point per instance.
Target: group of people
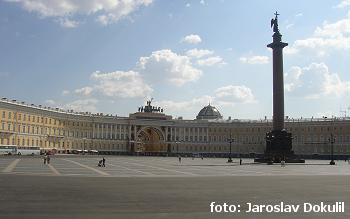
(102, 163)
(46, 159)
(179, 157)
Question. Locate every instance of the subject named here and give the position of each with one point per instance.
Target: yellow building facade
(153, 132)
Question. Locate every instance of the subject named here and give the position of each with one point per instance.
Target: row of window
(116, 136)
(58, 132)
(52, 121)
(59, 145)
(266, 129)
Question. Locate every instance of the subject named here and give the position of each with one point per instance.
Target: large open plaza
(143, 166)
(161, 187)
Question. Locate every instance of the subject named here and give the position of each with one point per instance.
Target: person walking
(45, 158)
(179, 159)
(283, 163)
(48, 159)
(240, 161)
(103, 162)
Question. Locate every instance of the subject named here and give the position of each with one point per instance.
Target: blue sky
(110, 56)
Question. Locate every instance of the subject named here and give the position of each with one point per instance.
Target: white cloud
(108, 11)
(292, 78)
(199, 53)
(65, 92)
(161, 66)
(215, 60)
(67, 23)
(85, 91)
(330, 36)
(120, 84)
(223, 96)
(234, 94)
(343, 4)
(315, 81)
(177, 69)
(192, 39)
(189, 105)
(289, 26)
(254, 60)
(84, 105)
(202, 2)
(336, 29)
(188, 5)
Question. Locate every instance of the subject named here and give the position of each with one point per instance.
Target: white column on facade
(135, 133)
(166, 133)
(93, 130)
(198, 134)
(207, 129)
(129, 134)
(171, 133)
(194, 134)
(98, 131)
(184, 133)
(102, 131)
(181, 133)
(115, 132)
(111, 132)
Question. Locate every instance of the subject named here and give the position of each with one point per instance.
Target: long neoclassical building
(151, 131)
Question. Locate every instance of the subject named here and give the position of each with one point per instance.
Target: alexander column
(278, 140)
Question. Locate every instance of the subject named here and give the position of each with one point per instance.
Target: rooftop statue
(274, 23)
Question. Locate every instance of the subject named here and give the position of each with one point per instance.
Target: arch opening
(150, 140)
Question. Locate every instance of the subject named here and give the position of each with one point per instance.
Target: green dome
(209, 112)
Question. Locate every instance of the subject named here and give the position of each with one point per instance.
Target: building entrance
(150, 139)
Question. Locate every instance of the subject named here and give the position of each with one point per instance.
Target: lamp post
(230, 140)
(332, 140)
(177, 147)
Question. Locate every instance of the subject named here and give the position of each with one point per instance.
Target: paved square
(161, 187)
(124, 166)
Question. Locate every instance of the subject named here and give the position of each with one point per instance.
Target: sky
(111, 56)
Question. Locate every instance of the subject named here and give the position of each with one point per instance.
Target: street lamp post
(332, 140)
(177, 147)
(230, 140)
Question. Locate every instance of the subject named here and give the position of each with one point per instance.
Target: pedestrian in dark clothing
(240, 161)
(103, 162)
(179, 159)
